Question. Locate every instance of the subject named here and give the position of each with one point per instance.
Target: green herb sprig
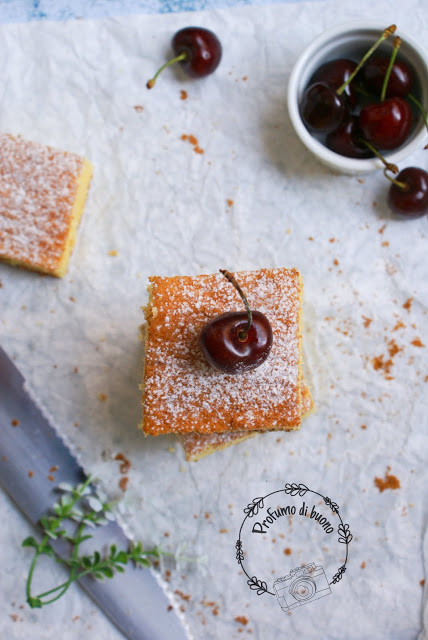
(81, 507)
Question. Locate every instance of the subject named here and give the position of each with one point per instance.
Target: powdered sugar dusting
(37, 191)
(182, 393)
(198, 445)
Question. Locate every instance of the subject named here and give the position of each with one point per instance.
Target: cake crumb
(125, 464)
(123, 483)
(112, 253)
(242, 620)
(30, 474)
(102, 397)
(407, 305)
(388, 482)
(363, 565)
(183, 94)
(139, 108)
(15, 423)
(417, 342)
(287, 551)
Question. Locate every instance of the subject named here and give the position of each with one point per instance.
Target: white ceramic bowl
(352, 40)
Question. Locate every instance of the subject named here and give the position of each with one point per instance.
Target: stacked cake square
(208, 409)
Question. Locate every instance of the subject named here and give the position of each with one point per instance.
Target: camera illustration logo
(308, 582)
(301, 586)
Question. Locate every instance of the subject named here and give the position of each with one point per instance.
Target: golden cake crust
(199, 445)
(42, 194)
(182, 393)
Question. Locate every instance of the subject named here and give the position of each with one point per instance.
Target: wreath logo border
(252, 509)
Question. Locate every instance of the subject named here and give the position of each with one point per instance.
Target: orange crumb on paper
(363, 426)
(183, 596)
(382, 229)
(393, 348)
(15, 423)
(399, 325)
(363, 565)
(30, 474)
(138, 108)
(102, 397)
(417, 342)
(224, 530)
(123, 483)
(125, 464)
(422, 582)
(367, 321)
(287, 551)
(408, 304)
(183, 94)
(388, 482)
(242, 620)
(193, 141)
(53, 468)
(229, 202)
(51, 478)
(113, 253)
(332, 240)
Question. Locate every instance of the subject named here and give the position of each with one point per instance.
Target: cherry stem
(388, 32)
(181, 58)
(243, 333)
(396, 44)
(420, 107)
(388, 165)
(401, 185)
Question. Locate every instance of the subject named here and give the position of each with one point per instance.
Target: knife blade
(134, 600)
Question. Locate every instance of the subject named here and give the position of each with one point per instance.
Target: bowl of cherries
(357, 97)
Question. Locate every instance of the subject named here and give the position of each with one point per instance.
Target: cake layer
(182, 393)
(199, 445)
(42, 195)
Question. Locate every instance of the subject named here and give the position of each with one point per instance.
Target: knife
(134, 600)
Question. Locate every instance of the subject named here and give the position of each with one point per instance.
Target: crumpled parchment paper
(254, 198)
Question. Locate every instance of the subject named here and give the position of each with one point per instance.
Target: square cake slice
(182, 393)
(42, 195)
(199, 445)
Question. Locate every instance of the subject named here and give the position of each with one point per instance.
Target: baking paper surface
(254, 198)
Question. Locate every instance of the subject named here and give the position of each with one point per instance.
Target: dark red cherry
(322, 109)
(202, 48)
(408, 195)
(335, 73)
(345, 140)
(198, 50)
(386, 124)
(224, 349)
(400, 81)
